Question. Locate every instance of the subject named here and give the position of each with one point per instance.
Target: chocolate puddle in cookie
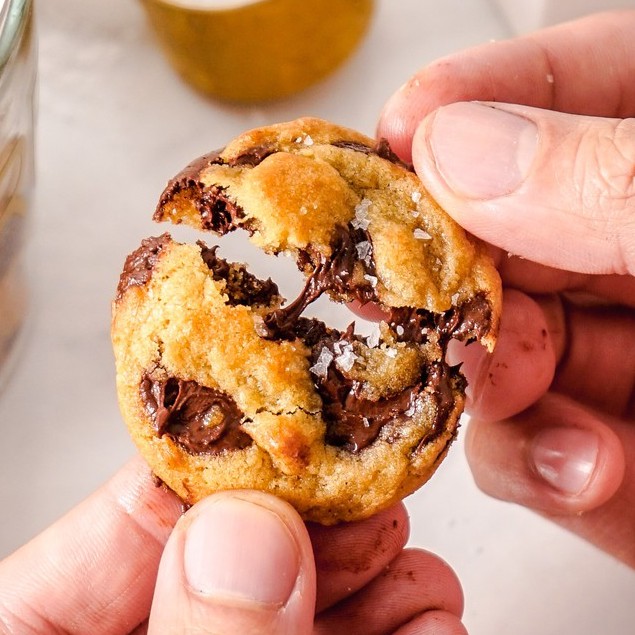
(200, 419)
(354, 422)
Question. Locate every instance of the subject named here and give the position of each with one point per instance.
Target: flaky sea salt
(361, 220)
(400, 330)
(346, 360)
(308, 141)
(416, 197)
(363, 250)
(372, 340)
(421, 234)
(391, 352)
(371, 279)
(411, 410)
(321, 366)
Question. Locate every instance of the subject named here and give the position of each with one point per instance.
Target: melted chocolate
(334, 273)
(382, 149)
(252, 157)
(467, 322)
(242, 287)
(200, 419)
(181, 409)
(217, 212)
(137, 269)
(354, 422)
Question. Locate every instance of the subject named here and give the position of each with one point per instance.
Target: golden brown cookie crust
(196, 338)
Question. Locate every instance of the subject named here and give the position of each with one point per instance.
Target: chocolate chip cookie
(225, 384)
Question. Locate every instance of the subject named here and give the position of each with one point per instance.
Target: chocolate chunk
(242, 287)
(443, 381)
(217, 211)
(187, 179)
(467, 322)
(200, 419)
(252, 157)
(382, 149)
(138, 267)
(354, 422)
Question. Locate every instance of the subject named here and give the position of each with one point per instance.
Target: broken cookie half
(224, 384)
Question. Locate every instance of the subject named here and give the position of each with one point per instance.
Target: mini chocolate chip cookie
(224, 384)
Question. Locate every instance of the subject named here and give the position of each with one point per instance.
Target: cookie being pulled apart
(223, 384)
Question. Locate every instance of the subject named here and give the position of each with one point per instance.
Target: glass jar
(249, 51)
(17, 87)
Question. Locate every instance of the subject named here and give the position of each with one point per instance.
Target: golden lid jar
(250, 51)
(18, 69)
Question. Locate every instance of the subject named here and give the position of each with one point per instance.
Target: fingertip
(397, 122)
(557, 457)
(434, 623)
(236, 561)
(521, 368)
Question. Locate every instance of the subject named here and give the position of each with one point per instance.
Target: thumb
(555, 188)
(238, 562)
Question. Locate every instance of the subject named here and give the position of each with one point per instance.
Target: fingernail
(481, 152)
(565, 457)
(235, 549)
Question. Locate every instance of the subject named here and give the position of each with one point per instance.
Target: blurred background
(115, 122)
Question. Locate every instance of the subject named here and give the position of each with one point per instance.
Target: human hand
(239, 562)
(549, 183)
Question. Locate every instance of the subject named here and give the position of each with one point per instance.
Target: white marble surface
(114, 125)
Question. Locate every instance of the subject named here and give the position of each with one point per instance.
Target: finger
(547, 69)
(523, 178)
(415, 582)
(596, 355)
(578, 346)
(237, 562)
(531, 277)
(566, 461)
(433, 623)
(350, 555)
(93, 571)
(520, 369)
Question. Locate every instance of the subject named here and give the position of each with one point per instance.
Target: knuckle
(605, 167)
